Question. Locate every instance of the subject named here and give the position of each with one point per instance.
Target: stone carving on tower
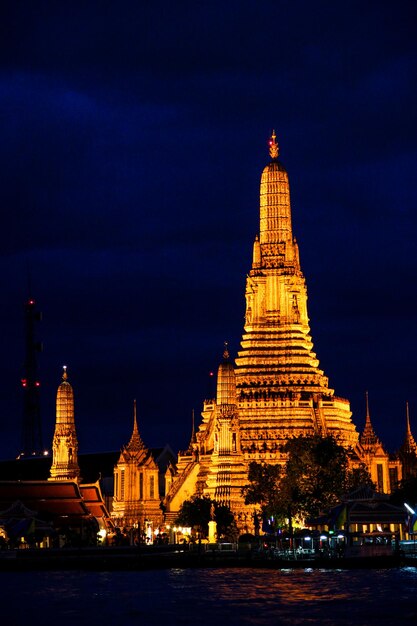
(65, 443)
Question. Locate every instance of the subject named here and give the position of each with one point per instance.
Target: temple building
(139, 485)
(276, 390)
(385, 469)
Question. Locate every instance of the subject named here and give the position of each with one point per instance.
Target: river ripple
(202, 597)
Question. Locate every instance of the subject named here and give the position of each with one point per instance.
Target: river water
(202, 597)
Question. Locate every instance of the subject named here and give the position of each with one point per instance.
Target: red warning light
(24, 382)
(37, 384)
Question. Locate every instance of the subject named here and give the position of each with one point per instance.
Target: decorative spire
(273, 146)
(135, 444)
(64, 373)
(368, 436)
(409, 442)
(275, 209)
(407, 418)
(257, 256)
(226, 380)
(368, 418)
(193, 438)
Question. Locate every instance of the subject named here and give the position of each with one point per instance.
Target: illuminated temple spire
(65, 443)
(193, 438)
(273, 146)
(368, 436)
(226, 381)
(409, 444)
(409, 435)
(135, 444)
(276, 390)
(227, 472)
(408, 450)
(281, 389)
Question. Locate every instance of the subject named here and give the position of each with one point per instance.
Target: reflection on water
(238, 597)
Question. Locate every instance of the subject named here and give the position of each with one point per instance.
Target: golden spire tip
(273, 146)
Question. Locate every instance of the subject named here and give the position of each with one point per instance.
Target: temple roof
(64, 499)
(368, 437)
(135, 443)
(409, 445)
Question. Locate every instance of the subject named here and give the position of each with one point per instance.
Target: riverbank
(112, 559)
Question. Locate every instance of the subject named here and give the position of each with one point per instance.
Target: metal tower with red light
(31, 423)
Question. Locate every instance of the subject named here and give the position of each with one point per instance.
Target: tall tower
(65, 443)
(31, 444)
(277, 390)
(281, 390)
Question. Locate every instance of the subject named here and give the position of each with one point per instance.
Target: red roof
(55, 498)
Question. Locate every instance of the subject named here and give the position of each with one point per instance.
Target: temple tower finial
(407, 418)
(273, 146)
(135, 417)
(410, 443)
(368, 418)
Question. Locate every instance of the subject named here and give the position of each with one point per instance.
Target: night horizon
(131, 196)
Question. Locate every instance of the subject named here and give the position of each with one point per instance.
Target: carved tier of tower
(282, 392)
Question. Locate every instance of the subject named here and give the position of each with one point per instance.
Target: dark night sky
(133, 136)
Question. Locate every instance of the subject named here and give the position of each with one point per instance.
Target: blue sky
(133, 137)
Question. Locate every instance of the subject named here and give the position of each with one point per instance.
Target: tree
(196, 513)
(269, 488)
(315, 477)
